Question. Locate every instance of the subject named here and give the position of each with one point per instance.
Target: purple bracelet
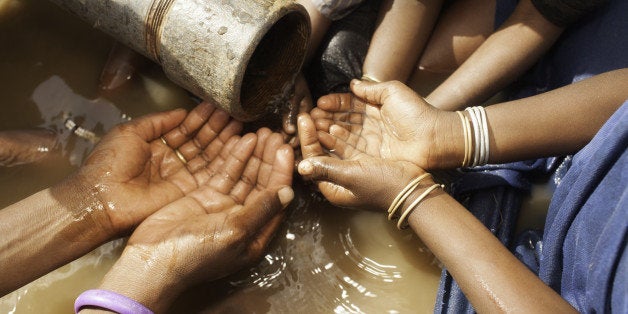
(109, 300)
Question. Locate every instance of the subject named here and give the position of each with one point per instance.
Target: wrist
(447, 146)
(144, 277)
(426, 186)
(89, 219)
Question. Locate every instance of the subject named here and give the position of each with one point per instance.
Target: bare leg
(461, 29)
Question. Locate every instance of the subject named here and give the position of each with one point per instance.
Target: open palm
(386, 120)
(227, 220)
(132, 172)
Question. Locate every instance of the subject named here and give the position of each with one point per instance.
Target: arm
(402, 31)
(490, 276)
(128, 176)
(47, 230)
(320, 25)
(505, 55)
(558, 122)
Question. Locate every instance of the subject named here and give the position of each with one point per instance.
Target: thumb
(382, 93)
(154, 125)
(327, 169)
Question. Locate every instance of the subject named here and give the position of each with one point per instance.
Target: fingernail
(356, 82)
(286, 195)
(305, 168)
(290, 129)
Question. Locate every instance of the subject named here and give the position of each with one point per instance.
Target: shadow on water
(323, 259)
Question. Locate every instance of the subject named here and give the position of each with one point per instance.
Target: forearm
(320, 25)
(46, 230)
(503, 57)
(402, 31)
(555, 123)
(489, 275)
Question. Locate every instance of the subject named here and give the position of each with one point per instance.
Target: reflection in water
(78, 121)
(323, 259)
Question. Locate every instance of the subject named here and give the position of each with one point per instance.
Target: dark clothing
(565, 12)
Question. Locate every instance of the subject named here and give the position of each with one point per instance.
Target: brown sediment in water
(323, 258)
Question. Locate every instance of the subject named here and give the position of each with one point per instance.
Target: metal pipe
(243, 55)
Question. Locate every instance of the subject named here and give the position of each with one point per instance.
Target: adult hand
(348, 178)
(215, 229)
(390, 121)
(132, 172)
(300, 102)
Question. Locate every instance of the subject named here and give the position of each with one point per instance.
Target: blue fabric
(585, 234)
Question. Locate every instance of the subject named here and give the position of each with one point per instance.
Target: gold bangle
(465, 136)
(401, 197)
(415, 204)
(369, 78)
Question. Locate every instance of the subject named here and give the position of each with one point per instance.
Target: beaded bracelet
(111, 301)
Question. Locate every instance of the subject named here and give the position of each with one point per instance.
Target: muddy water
(323, 259)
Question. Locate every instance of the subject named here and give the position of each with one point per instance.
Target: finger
(286, 195)
(310, 145)
(234, 164)
(336, 146)
(150, 127)
(260, 241)
(282, 168)
(335, 102)
(259, 208)
(318, 113)
(328, 169)
(337, 195)
(214, 165)
(213, 148)
(208, 132)
(192, 123)
(382, 93)
(289, 118)
(251, 173)
(271, 148)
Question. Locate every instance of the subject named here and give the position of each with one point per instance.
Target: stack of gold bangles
(403, 195)
(476, 137)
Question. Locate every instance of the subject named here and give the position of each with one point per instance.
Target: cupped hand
(226, 222)
(135, 170)
(221, 226)
(348, 176)
(385, 120)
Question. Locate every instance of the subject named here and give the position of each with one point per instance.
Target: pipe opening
(274, 64)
